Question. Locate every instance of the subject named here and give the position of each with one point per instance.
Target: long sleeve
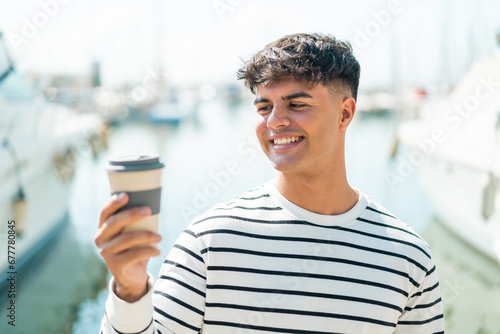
(124, 317)
(179, 292)
(174, 305)
(424, 310)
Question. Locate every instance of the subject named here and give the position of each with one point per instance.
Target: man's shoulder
(248, 200)
(388, 226)
(247, 204)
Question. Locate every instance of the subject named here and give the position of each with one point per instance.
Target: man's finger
(115, 223)
(115, 202)
(135, 255)
(128, 240)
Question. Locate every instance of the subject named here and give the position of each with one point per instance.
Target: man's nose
(279, 117)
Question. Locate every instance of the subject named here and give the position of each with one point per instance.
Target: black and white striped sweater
(260, 264)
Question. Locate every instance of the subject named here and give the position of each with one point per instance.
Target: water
(212, 158)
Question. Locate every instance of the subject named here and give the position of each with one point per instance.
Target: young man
(304, 253)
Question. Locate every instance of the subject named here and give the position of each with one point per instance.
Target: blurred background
(81, 81)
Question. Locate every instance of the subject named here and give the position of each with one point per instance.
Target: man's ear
(348, 110)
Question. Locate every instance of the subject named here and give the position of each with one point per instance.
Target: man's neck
(330, 195)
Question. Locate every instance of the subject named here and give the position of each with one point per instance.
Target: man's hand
(125, 253)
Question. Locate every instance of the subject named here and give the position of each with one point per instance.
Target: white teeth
(284, 141)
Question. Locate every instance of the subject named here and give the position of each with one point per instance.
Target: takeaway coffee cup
(140, 177)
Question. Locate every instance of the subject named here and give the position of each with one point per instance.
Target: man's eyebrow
(296, 95)
(288, 97)
(260, 100)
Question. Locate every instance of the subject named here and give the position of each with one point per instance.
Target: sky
(398, 42)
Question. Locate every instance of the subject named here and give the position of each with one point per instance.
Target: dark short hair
(315, 58)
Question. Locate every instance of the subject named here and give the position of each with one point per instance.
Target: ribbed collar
(316, 218)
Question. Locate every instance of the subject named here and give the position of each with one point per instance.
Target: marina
(66, 291)
(84, 82)
(36, 137)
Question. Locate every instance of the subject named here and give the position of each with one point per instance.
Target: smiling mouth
(285, 141)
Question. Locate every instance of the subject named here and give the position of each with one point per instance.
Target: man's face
(301, 127)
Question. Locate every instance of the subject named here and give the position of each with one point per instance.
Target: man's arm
(124, 253)
(424, 310)
(127, 260)
(176, 303)
(124, 317)
(180, 290)
(178, 294)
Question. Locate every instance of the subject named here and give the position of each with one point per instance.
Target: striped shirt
(261, 264)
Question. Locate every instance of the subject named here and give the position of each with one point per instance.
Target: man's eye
(296, 105)
(263, 109)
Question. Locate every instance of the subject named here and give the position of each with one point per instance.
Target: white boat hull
(458, 141)
(457, 195)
